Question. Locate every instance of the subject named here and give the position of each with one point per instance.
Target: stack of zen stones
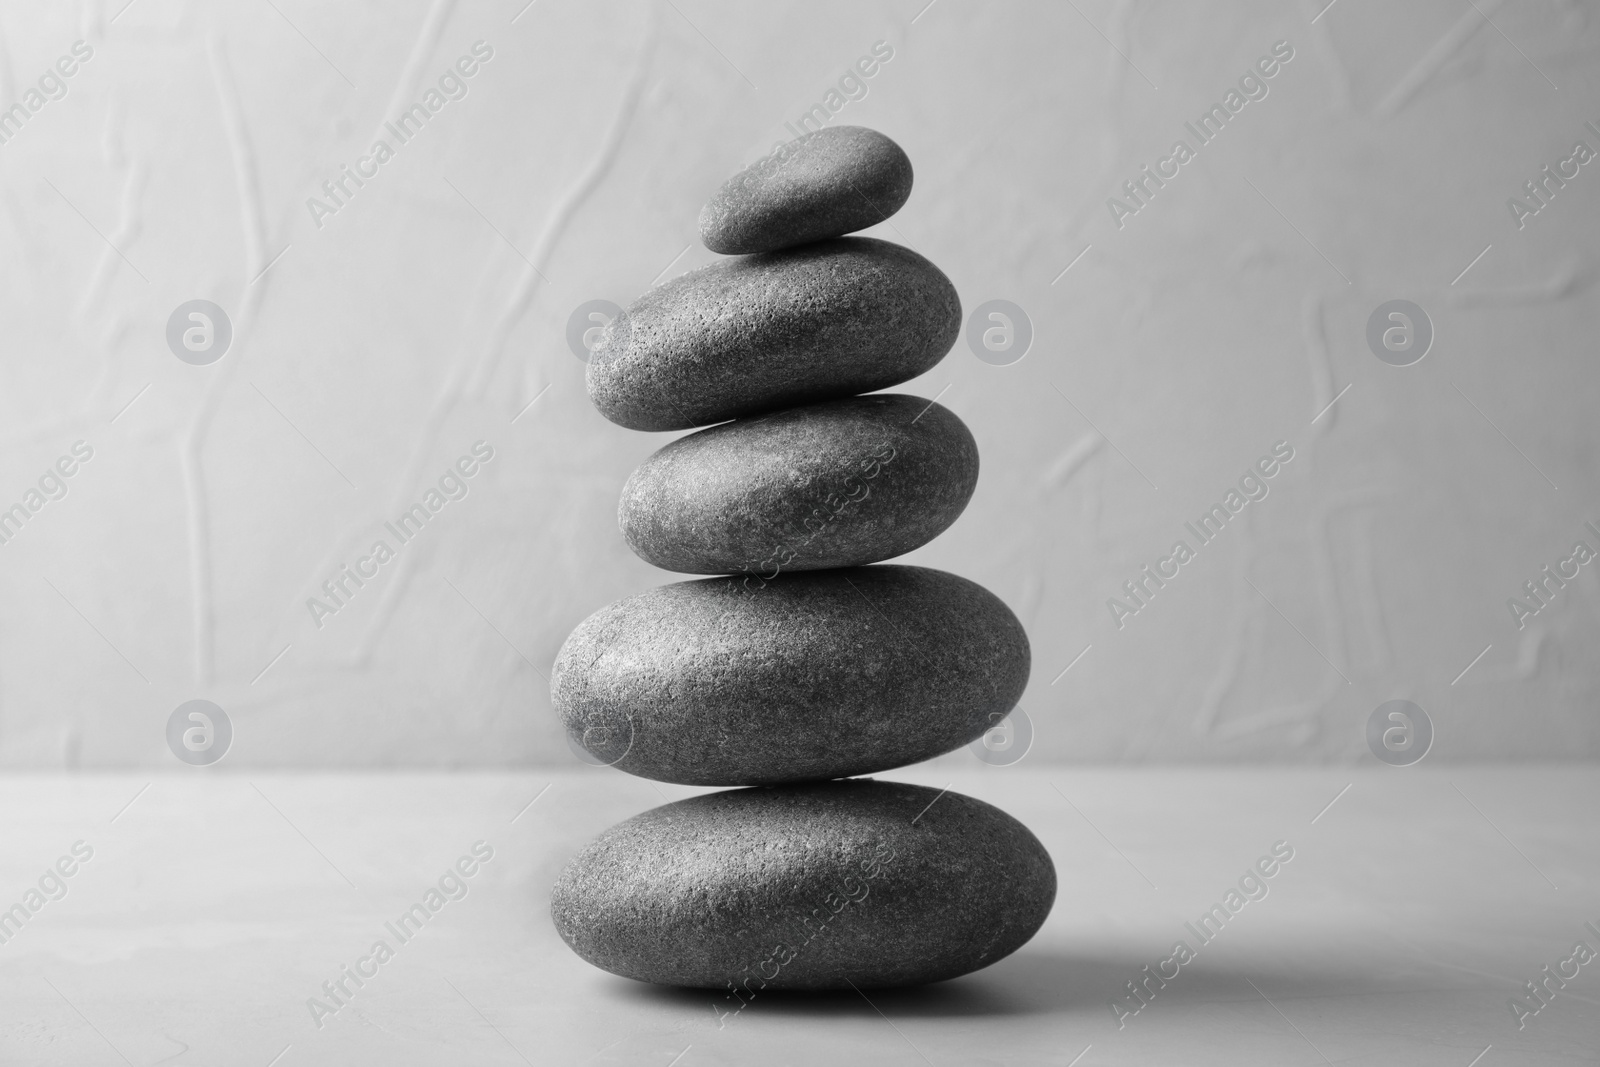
(800, 665)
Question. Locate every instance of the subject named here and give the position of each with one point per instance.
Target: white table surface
(215, 904)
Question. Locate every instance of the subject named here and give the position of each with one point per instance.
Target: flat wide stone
(836, 484)
(759, 333)
(819, 886)
(823, 184)
(815, 674)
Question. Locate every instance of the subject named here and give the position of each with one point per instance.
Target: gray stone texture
(806, 887)
(814, 674)
(823, 184)
(836, 484)
(758, 333)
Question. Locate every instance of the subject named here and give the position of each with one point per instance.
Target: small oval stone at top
(827, 183)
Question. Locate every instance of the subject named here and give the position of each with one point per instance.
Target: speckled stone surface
(815, 674)
(759, 333)
(836, 484)
(806, 887)
(823, 184)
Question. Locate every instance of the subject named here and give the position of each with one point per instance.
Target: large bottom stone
(819, 886)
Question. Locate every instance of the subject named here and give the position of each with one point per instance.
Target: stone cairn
(800, 665)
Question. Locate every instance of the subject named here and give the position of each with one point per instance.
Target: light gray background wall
(428, 312)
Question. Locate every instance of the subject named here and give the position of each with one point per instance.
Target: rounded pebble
(836, 484)
(759, 333)
(815, 674)
(822, 184)
(811, 887)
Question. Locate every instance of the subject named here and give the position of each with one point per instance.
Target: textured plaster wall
(373, 347)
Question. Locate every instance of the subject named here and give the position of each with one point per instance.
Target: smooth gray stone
(806, 887)
(758, 333)
(824, 184)
(836, 484)
(815, 674)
